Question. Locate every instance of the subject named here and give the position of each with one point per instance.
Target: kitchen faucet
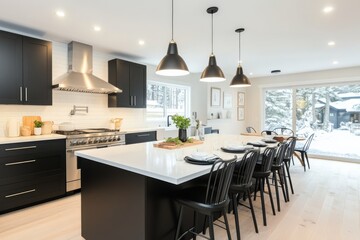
(168, 120)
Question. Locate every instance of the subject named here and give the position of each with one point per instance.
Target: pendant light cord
(239, 49)
(172, 20)
(212, 34)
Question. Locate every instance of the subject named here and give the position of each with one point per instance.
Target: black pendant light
(240, 80)
(212, 72)
(172, 64)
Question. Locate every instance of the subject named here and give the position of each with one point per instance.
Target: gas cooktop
(86, 131)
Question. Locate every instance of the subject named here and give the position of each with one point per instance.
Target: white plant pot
(37, 131)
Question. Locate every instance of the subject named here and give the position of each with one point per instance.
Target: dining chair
(284, 131)
(278, 175)
(208, 200)
(250, 130)
(261, 174)
(303, 150)
(240, 187)
(291, 142)
(268, 133)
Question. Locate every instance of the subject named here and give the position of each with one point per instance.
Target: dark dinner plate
(257, 145)
(233, 150)
(269, 141)
(200, 162)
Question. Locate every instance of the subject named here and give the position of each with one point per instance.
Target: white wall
(225, 125)
(254, 97)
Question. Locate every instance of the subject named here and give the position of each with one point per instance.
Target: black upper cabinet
(10, 68)
(25, 70)
(131, 79)
(37, 71)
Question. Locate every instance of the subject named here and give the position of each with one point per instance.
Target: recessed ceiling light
(331, 43)
(328, 9)
(335, 62)
(60, 13)
(141, 42)
(97, 28)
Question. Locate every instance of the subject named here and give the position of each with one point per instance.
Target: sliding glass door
(331, 112)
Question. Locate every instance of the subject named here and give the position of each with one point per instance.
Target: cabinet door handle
(26, 94)
(18, 163)
(21, 94)
(135, 100)
(132, 101)
(20, 193)
(20, 148)
(143, 135)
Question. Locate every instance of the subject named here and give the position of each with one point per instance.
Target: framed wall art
(241, 114)
(241, 99)
(215, 97)
(227, 102)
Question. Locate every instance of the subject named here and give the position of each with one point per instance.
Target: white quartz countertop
(6, 140)
(163, 164)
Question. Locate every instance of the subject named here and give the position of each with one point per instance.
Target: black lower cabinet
(31, 172)
(140, 137)
(118, 204)
(27, 193)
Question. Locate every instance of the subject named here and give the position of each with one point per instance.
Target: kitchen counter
(6, 140)
(162, 164)
(141, 181)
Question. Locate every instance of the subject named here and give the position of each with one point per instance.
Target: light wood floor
(326, 205)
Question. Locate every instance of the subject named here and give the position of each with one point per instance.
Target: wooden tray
(171, 146)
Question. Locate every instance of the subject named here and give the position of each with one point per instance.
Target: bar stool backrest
(308, 142)
(219, 181)
(291, 141)
(268, 132)
(267, 159)
(280, 154)
(244, 169)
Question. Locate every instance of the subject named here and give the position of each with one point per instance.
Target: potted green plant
(182, 123)
(37, 127)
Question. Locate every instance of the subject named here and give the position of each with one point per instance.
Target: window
(332, 112)
(278, 108)
(165, 99)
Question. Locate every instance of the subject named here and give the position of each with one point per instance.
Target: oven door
(73, 172)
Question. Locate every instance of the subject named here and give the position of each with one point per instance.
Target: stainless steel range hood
(79, 77)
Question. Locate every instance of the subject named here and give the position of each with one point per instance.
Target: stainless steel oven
(86, 139)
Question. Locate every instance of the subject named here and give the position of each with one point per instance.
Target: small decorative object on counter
(37, 128)
(116, 123)
(47, 127)
(12, 128)
(182, 123)
(25, 131)
(199, 132)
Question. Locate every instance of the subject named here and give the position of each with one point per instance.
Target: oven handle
(94, 147)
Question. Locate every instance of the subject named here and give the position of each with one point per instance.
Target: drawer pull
(143, 135)
(20, 193)
(19, 148)
(17, 163)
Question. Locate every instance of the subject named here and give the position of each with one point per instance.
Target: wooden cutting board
(171, 146)
(29, 121)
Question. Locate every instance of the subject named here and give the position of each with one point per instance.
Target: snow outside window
(165, 99)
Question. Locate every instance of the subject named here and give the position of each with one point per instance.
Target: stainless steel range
(86, 139)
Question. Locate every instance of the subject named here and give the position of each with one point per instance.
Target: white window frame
(187, 100)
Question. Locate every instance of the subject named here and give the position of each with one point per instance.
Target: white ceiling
(290, 35)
